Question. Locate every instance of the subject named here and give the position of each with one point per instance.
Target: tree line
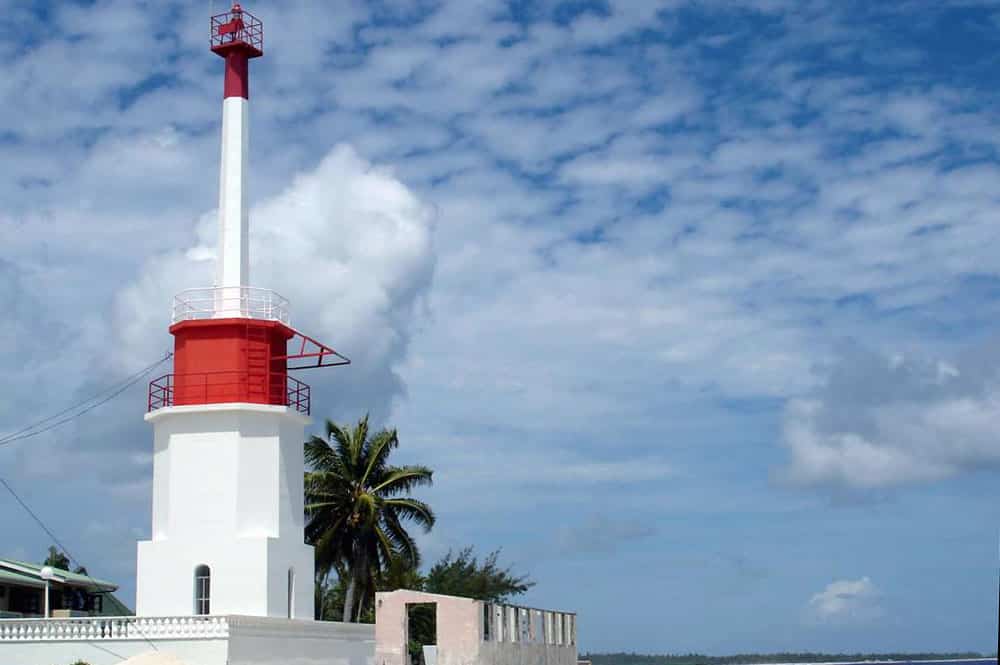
(758, 658)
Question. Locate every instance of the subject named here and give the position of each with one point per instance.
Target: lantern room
(234, 345)
(237, 30)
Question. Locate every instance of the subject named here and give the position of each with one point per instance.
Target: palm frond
(416, 511)
(356, 503)
(377, 452)
(404, 545)
(401, 479)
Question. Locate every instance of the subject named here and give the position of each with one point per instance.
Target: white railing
(113, 628)
(223, 302)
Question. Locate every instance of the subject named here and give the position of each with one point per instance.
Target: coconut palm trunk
(352, 586)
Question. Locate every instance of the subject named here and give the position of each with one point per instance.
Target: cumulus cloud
(644, 234)
(846, 600)
(882, 421)
(346, 242)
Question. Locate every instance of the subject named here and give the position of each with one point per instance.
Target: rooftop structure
(24, 587)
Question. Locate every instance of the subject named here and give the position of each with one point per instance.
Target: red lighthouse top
(237, 36)
(237, 29)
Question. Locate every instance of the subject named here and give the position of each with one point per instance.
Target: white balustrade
(113, 628)
(224, 302)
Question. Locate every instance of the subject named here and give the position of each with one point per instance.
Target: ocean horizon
(955, 661)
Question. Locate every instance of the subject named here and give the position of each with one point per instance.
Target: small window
(202, 590)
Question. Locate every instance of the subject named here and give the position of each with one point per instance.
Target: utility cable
(69, 555)
(55, 420)
(80, 408)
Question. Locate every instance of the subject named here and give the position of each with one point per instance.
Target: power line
(50, 423)
(80, 408)
(72, 559)
(106, 650)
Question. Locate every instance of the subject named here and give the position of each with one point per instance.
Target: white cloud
(604, 288)
(887, 421)
(346, 242)
(846, 600)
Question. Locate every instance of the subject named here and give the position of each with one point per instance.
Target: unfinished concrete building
(472, 632)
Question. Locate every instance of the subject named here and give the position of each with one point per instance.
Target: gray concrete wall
(267, 641)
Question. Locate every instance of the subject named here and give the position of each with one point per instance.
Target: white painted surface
(232, 266)
(230, 302)
(247, 641)
(228, 494)
(153, 658)
(113, 628)
(190, 652)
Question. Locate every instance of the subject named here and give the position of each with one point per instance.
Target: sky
(691, 305)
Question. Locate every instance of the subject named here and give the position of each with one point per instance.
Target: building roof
(30, 574)
(114, 607)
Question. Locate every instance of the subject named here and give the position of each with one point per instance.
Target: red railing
(222, 387)
(237, 26)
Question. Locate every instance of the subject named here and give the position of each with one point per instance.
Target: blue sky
(690, 305)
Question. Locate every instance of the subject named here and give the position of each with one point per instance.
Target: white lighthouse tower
(227, 528)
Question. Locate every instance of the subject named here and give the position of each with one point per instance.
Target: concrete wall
(111, 652)
(516, 635)
(227, 493)
(259, 641)
(251, 641)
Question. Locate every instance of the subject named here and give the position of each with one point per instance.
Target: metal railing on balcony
(228, 302)
(224, 387)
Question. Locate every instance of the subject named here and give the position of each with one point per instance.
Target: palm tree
(356, 503)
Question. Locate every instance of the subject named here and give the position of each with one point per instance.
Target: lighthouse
(229, 422)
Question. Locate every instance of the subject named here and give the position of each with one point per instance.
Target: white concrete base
(227, 494)
(241, 641)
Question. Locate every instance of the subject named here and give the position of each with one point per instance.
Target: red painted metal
(221, 387)
(237, 79)
(237, 29)
(237, 36)
(219, 361)
(232, 352)
(312, 354)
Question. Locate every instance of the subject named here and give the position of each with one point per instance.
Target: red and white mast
(228, 424)
(236, 36)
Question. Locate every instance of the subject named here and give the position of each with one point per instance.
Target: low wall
(190, 652)
(215, 640)
(265, 641)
